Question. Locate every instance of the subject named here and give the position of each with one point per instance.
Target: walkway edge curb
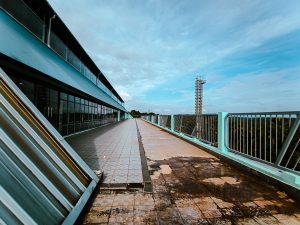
(146, 176)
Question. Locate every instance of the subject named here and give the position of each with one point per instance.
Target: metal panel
(43, 180)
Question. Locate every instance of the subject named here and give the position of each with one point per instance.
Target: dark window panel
(63, 96)
(82, 113)
(71, 128)
(71, 112)
(41, 99)
(64, 130)
(77, 99)
(71, 98)
(77, 127)
(27, 88)
(53, 107)
(77, 112)
(63, 112)
(86, 113)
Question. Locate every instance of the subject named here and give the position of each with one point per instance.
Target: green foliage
(138, 114)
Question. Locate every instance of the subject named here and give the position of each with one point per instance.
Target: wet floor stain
(219, 192)
(163, 169)
(195, 190)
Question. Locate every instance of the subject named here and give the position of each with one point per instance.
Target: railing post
(172, 122)
(158, 120)
(222, 132)
(288, 140)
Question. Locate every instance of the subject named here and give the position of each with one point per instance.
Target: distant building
(199, 95)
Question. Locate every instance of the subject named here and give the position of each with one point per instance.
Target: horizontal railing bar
(206, 114)
(265, 113)
(265, 162)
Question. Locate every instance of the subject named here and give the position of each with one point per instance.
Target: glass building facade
(67, 112)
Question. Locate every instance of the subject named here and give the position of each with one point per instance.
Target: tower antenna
(199, 94)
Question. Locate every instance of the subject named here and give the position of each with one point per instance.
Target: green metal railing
(271, 137)
(203, 127)
(257, 140)
(165, 121)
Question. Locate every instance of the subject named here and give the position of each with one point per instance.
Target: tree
(138, 114)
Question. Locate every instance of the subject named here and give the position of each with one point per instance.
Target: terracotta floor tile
(141, 199)
(99, 217)
(205, 203)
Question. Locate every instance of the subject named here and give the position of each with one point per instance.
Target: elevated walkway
(190, 186)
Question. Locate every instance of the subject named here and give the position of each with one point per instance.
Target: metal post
(288, 140)
(158, 120)
(49, 29)
(222, 132)
(172, 122)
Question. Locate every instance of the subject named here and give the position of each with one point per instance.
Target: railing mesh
(269, 137)
(207, 130)
(203, 127)
(264, 135)
(154, 119)
(185, 124)
(165, 121)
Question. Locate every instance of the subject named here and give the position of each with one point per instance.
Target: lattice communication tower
(199, 94)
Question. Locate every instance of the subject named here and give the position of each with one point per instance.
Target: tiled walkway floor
(113, 149)
(190, 186)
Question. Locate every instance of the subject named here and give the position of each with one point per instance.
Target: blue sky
(151, 51)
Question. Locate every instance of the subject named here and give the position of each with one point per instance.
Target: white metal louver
(42, 179)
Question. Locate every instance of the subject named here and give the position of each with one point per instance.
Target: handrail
(269, 137)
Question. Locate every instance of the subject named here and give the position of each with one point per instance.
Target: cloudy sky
(151, 51)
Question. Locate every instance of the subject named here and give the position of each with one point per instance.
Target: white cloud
(266, 91)
(142, 44)
(124, 95)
